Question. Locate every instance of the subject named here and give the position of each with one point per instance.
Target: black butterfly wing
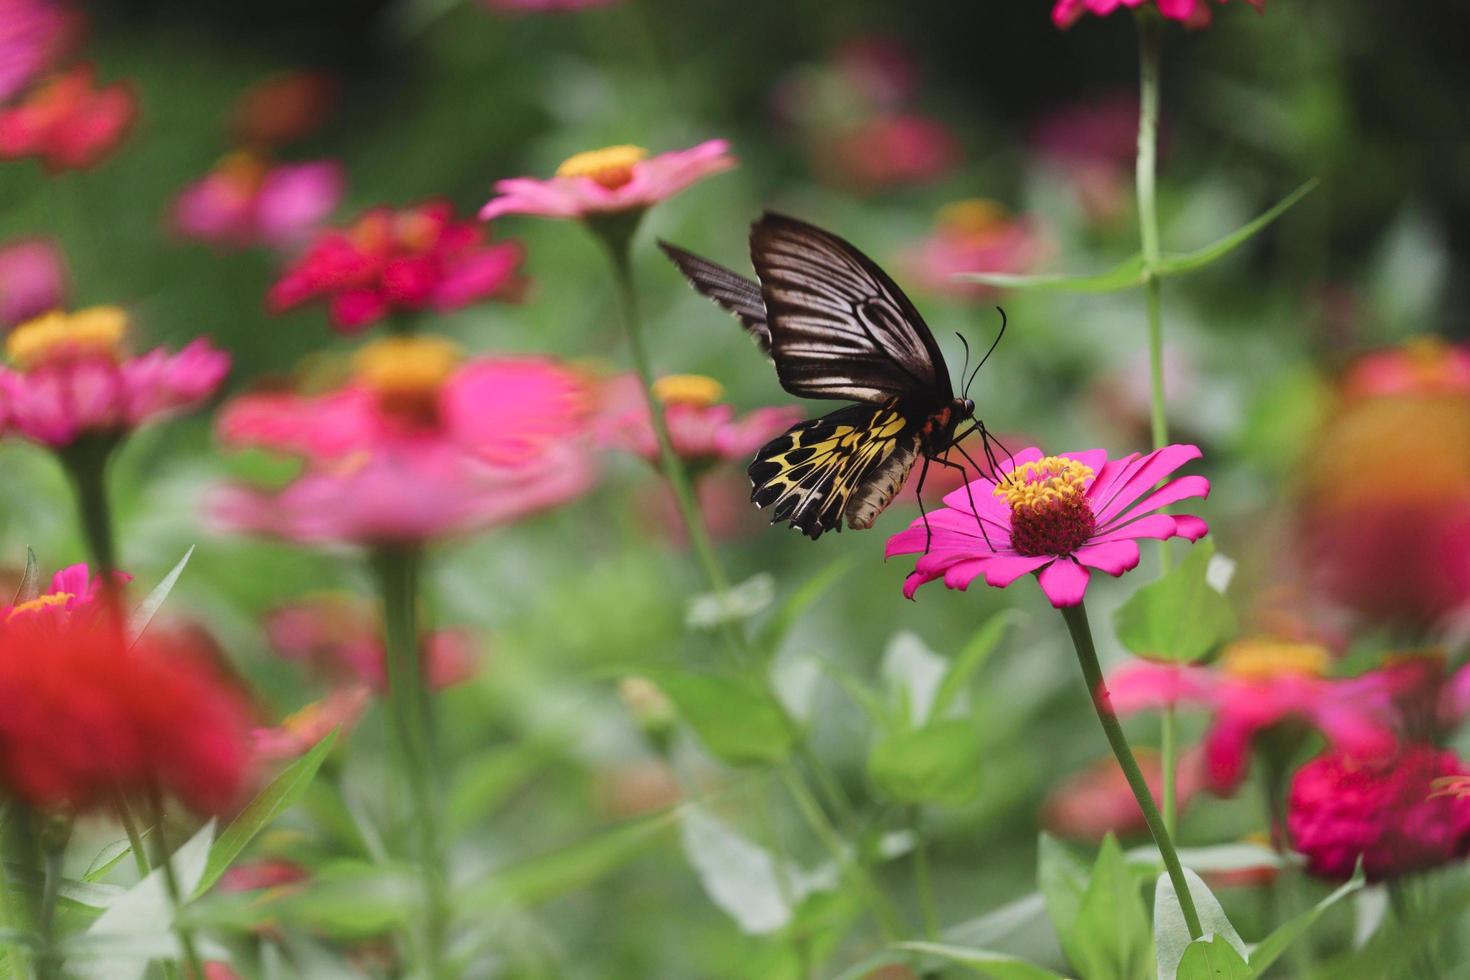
(731, 290)
(839, 326)
(847, 464)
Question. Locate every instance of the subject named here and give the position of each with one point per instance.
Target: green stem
(175, 896)
(1076, 619)
(135, 838)
(1168, 754)
(923, 878)
(49, 959)
(412, 711)
(86, 462)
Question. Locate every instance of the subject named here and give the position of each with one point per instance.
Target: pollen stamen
(611, 166)
(1050, 514)
(94, 332)
(407, 374)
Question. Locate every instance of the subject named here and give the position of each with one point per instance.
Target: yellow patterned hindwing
(808, 477)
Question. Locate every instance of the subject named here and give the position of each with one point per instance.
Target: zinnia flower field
(406, 407)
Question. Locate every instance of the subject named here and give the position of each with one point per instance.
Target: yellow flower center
(244, 170)
(94, 332)
(407, 373)
(1050, 514)
(971, 217)
(1264, 659)
(688, 389)
(40, 602)
(611, 166)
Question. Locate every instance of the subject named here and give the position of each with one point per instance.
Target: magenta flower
(1258, 685)
(68, 122)
(245, 202)
(703, 430)
(1057, 517)
(1385, 811)
(974, 236)
(1093, 145)
(71, 378)
(73, 591)
(1191, 13)
(609, 181)
(888, 150)
(32, 281)
(32, 33)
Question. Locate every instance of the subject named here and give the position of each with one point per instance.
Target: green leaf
(791, 608)
(275, 799)
(1124, 275)
(1110, 938)
(734, 718)
(1179, 618)
(971, 659)
(153, 602)
(1236, 856)
(547, 876)
(1000, 966)
(1268, 950)
(1062, 878)
(738, 875)
(1212, 959)
(109, 856)
(350, 900)
(939, 763)
(30, 582)
(1174, 264)
(1392, 952)
(481, 786)
(1171, 936)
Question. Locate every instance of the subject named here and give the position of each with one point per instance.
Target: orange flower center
(243, 171)
(1264, 659)
(95, 332)
(407, 374)
(688, 389)
(972, 218)
(611, 166)
(1050, 514)
(48, 601)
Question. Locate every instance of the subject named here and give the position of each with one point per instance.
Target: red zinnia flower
(67, 121)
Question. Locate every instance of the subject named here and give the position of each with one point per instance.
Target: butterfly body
(836, 327)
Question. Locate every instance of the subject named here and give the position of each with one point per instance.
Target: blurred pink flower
(1089, 805)
(1192, 13)
(282, 108)
(250, 876)
(398, 262)
(544, 6)
(298, 733)
(1057, 517)
(703, 430)
(1094, 145)
(67, 121)
(72, 377)
(609, 181)
(32, 280)
(1258, 685)
(879, 68)
(886, 151)
(1423, 367)
(1384, 811)
(32, 32)
(974, 236)
(73, 592)
(245, 201)
(341, 639)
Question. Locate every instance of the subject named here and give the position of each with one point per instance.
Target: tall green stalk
(86, 463)
(412, 717)
(1077, 625)
(165, 864)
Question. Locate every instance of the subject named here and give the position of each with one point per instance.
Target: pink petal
(1190, 527)
(1170, 493)
(1113, 557)
(1143, 475)
(1001, 572)
(1142, 685)
(1102, 484)
(1093, 459)
(1064, 582)
(1158, 526)
(960, 575)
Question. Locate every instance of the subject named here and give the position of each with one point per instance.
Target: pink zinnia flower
(341, 639)
(32, 280)
(298, 733)
(32, 32)
(1093, 145)
(1055, 516)
(974, 236)
(609, 181)
(1258, 685)
(1386, 811)
(67, 121)
(1089, 805)
(885, 151)
(73, 594)
(704, 431)
(72, 377)
(245, 201)
(399, 262)
(1191, 13)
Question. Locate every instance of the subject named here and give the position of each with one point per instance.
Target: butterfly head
(966, 408)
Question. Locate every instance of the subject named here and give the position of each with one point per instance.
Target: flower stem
(1076, 618)
(175, 895)
(412, 714)
(135, 838)
(923, 878)
(86, 462)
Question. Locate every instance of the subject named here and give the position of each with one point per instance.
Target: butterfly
(837, 327)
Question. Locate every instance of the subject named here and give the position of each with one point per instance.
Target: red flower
(90, 717)
(68, 122)
(1387, 812)
(393, 262)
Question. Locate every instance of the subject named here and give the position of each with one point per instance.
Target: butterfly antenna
(993, 344)
(966, 366)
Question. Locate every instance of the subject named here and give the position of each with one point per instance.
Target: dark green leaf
(1269, 949)
(1212, 959)
(1062, 878)
(1110, 938)
(1171, 265)
(1179, 618)
(275, 799)
(734, 718)
(939, 763)
(1124, 275)
(971, 658)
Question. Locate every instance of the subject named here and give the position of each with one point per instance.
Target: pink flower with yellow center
(73, 593)
(72, 377)
(1260, 684)
(889, 150)
(612, 180)
(68, 122)
(245, 201)
(32, 281)
(1191, 13)
(398, 262)
(704, 430)
(1057, 517)
(32, 33)
(298, 733)
(974, 236)
(417, 446)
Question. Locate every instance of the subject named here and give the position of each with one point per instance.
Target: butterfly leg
(946, 461)
(919, 496)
